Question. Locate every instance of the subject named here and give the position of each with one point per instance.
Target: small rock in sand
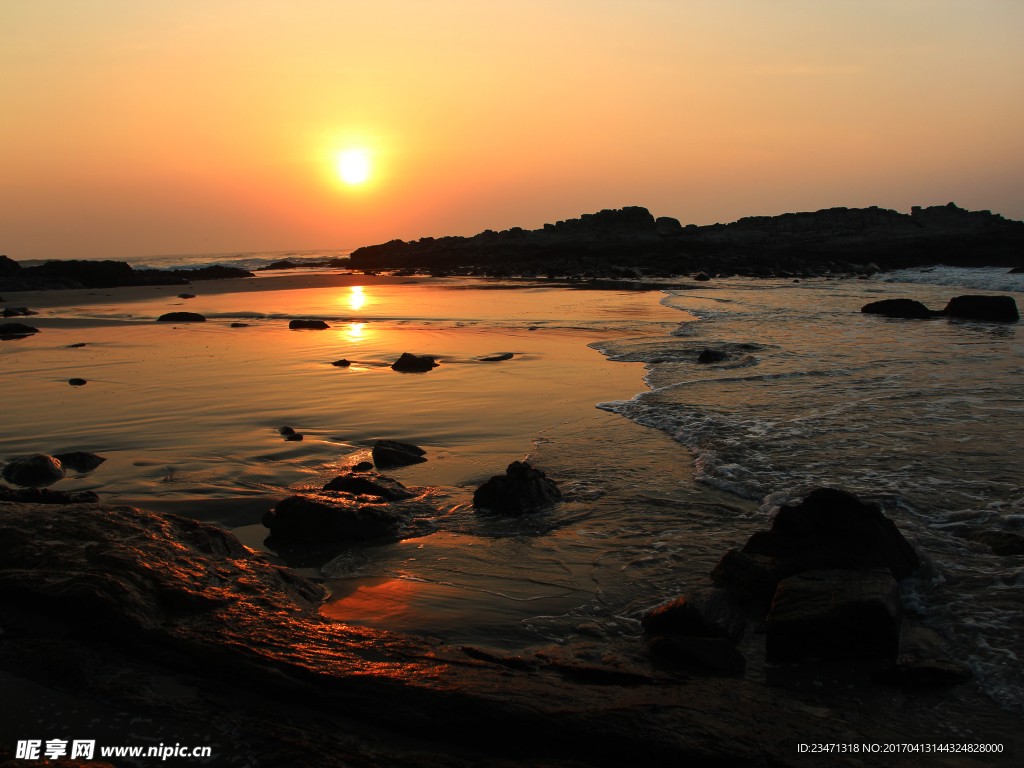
(16, 330)
(181, 317)
(77, 382)
(313, 325)
(76, 346)
(414, 363)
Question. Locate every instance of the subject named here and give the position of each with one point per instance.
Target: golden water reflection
(355, 331)
(356, 299)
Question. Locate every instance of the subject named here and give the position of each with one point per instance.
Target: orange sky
(131, 128)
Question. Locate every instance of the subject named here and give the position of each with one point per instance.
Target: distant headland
(840, 239)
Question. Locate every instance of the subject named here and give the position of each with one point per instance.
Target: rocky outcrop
(520, 490)
(410, 363)
(181, 317)
(37, 470)
(903, 308)
(361, 484)
(319, 519)
(394, 453)
(1001, 309)
(78, 273)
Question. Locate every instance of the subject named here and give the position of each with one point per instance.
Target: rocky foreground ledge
(116, 604)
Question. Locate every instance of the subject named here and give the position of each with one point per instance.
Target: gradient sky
(131, 128)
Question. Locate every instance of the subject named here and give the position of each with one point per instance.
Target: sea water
(921, 416)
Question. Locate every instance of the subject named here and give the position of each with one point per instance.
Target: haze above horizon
(194, 127)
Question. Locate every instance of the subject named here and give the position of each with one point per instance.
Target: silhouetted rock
(317, 518)
(906, 308)
(286, 431)
(79, 345)
(18, 312)
(186, 295)
(314, 325)
(705, 613)
(995, 308)
(712, 356)
(239, 325)
(37, 470)
(77, 382)
(362, 466)
(498, 358)
(701, 277)
(79, 461)
(294, 437)
(381, 486)
(414, 363)
(15, 330)
(343, 363)
(1016, 271)
(181, 317)
(835, 614)
(521, 489)
(46, 496)
(712, 654)
(392, 453)
(9, 267)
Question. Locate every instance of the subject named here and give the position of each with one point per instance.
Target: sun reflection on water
(355, 331)
(356, 299)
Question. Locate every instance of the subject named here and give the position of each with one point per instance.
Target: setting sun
(354, 166)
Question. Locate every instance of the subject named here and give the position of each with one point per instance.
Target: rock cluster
(1002, 309)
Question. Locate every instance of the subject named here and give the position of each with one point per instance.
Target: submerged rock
(286, 431)
(343, 363)
(835, 614)
(79, 461)
(314, 519)
(378, 485)
(906, 308)
(294, 437)
(312, 325)
(414, 363)
(498, 358)
(239, 325)
(705, 613)
(181, 317)
(1001, 309)
(392, 453)
(712, 356)
(36, 470)
(521, 489)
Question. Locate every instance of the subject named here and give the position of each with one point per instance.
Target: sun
(354, 166)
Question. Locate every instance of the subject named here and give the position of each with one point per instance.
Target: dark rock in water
(392, 453)
(1016, 271)
(829, 529)
(77, 382)
(186, 295)
(912, 672)
(36, 470)
(705, 613)
(521, 489)
(1003, 543)
(907, 308)
(314, 325)
(835, 614)
(378, 485)
(714, 654)
(318, 518)
(79, 461)
(16, 330)
(46, 496)
(76, 346)
(286, 431)
(1001, 309)
(343, 363)
(18, 312)
(414, 363)
(498, 358)
(701, 277)
(294, 437)
(363, 466)
(181, 317)
(712, 356)
(239, 325)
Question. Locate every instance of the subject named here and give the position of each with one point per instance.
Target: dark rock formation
(381, 486)
(181, 317)
(186, 295)
(239, 325)
(16, 330)
(498, 358)
(1001, 309)
(46, 496)
(712, 654)
(37, 470)
(79, 345)
(409, 363)
(316, 519)
(907, 308)
(79, 461)
(701, 277)
(1016, 271)
(520, 490)
(343, 363)
(705, 613)
(362, 466)
(835, 614)
(712, 356)
(77, 382)
(286, 431)
(294, 437)
(18, 312)
(393, 453)
(314, 325)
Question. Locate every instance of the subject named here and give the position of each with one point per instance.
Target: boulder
(362, 466)
(381, 486)
(343, 363)
(181, 317)
(79, 461)
(16, 330)
(498, 358)
(37, 470)
(392, 453)
(294, 437)
(1001, 309)
(18, 312)
(414, 363)
(701, 277)
(317, 518)
(712, 654)
(835, 614)
(313, 325)
(521, 489)
(186, 295)
(286, 431)
(77, 382)
(46, 496)
(907, 308)
(712, 356)
(705, 613)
